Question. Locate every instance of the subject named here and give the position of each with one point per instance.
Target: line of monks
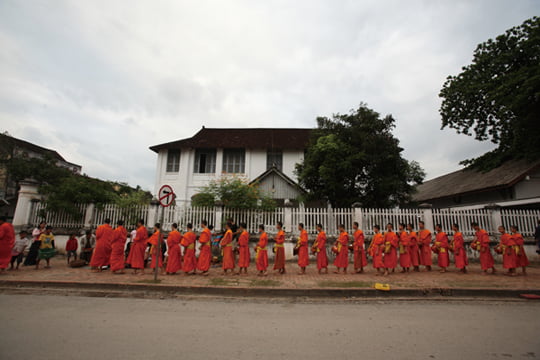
(408, 248)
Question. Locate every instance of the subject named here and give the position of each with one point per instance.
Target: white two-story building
(263, 155)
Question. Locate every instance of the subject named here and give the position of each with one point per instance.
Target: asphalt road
(69, 327)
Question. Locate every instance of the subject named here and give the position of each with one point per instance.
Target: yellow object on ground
(382, 287)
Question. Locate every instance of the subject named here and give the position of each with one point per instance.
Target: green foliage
(355, 158)
(497, 97)
(234, 193)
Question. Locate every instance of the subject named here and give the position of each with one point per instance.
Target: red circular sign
(166, 195)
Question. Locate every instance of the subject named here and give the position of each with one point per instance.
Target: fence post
(357, 216)
(287, 218)
(153, 213)
(496, 218)
(89, 216)
(27, 193)
(219, 217)
(427, 215)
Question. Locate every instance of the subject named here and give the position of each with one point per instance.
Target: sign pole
(160, 239)
(166, 198)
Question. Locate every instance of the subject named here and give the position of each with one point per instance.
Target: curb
(170, 290)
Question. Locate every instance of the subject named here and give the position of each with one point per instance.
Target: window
(205, 161)
(234, 161)
(173, 160)
(274, 158)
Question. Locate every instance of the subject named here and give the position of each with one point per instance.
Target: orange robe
(404, 250)
(342, 257)
(460, 254)
(243, 246)
(424, 240)
(360, 259)
(320, 248)
(414, 251)
(390, 250)
(507, 245)
(102, 251)
(154, 239)
(486, 259)
(7, 240)
(227, 250)
(376, 250)
(279, 258)
(188, 242)
(441, 242)
(174, 259)
(138, 248)
(117, 259)
(205, 254)
(303, 249)
(261, 257)
(521, 256)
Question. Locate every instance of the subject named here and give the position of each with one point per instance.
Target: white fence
(489, 219)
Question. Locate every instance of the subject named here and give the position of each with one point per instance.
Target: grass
(222, 282)
(345, 284)
(266, 282)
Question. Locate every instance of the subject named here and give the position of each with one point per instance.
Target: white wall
(530, 188)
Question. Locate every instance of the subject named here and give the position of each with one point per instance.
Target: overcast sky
(101, 81)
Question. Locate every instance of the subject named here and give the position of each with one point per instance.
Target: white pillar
(27, 193)
(89, 216)
(428, 219)
(358, 217)
(287, 218)
(219, 217)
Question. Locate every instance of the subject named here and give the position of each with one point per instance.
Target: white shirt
(20, 244)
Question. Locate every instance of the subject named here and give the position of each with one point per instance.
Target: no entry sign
(166, 195)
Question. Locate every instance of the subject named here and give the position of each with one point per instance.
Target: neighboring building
(266, 156)
(513, 184)
(11, 147)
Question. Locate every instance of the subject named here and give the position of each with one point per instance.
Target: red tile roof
(249, 138)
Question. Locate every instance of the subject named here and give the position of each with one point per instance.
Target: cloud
(102, 86)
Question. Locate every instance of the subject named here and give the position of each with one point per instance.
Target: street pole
(160, 239)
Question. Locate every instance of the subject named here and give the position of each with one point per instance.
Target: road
(70, 327)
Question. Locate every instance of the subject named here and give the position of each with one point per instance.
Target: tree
(497, 97)
(355, 158)
(234, 193)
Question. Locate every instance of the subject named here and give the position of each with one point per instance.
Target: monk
(486, 259)
(390, 249)
(243, 248)
(521, 257)
(319, 249)
(188, 242)
(303, 251)
(279, 249)
(507, 248)
(342, 247)
(227, 250)
(404, 249)
(441, 248)
(138, 247)
(261, 257)
(205, 250)
(7, 240)
(458, 246)
(414, 251)
(360, 260)
(174, 259)
(117, 259)
(376, 249)
(102, 252)
(156, 244)
(424, 242)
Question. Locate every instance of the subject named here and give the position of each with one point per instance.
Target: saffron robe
(404, 247)
(279, 258)
(414, 251)
(507, 245)
(117, 259)
(7, 240)
(486, 259)
(424, 241)
(320, 249)
(441, 242)
(227, 250)
(360, 259)
(102, 251)
(303, 249)
(521, 256)
(342, 257)
(261, 257)
(243, 247)
(138, 248)
(376, 249)
(174, 259)
(205, 254)
(460, 254)
(390, 252)
(188, 242)
(154, 240)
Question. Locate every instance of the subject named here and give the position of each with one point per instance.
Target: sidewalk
(290, 284)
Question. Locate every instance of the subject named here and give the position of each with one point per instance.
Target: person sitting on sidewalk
(18, 249)
(88, 242)
(71, 247)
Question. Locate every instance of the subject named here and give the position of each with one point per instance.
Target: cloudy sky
(101, 81)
